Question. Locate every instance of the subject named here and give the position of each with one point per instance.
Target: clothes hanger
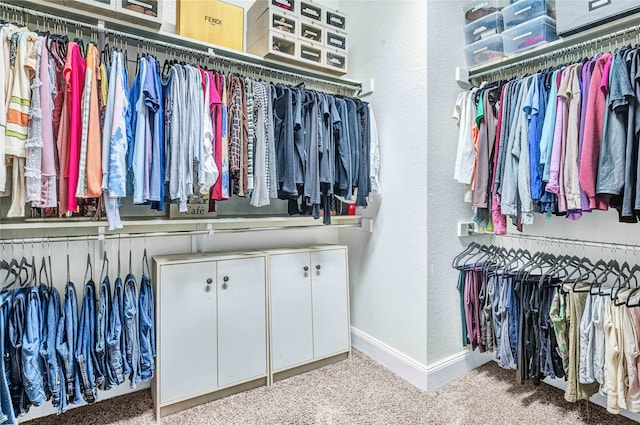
(89, 266)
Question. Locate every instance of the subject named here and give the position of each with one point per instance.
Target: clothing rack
(202, 50)
(576, 242)
(564, 50)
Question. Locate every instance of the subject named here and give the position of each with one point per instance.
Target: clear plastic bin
(478, 9)
(526, 10)
(483, 51)
(483, 28)
(532, 33)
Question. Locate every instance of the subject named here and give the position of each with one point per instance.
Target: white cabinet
(212, 327)
(309, 305)
(242, 342)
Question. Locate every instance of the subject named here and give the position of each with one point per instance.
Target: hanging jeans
(66, 342)
(131, 332)
(17, 318)
(147, 330)
(43, 291)
(55, 373)
(33, 371)
(115, 340)
(102, 370)
(7, 413)
(85, 347)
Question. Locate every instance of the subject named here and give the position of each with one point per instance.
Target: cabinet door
(242, 325)
(187, 315)
(291, 327)
(329, 297)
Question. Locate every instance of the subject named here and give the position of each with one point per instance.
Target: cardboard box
(213, 21)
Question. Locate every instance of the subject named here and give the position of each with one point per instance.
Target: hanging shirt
(593, 132)
(117, 174)
(587, 71)
(33, 163)
(260, 195)
(156, 188)
(139, 126)
(546, 138)
(556, 184)
(464, 115)
(74, 74)
(48, 189)
(208, 172)
(90, 169)
(570, 172)
(153, 98)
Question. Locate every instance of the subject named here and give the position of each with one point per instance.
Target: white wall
(445, 197)
(388, 268)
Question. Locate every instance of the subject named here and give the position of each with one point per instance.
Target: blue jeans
(55, 372)
(66, 342)
(7, 414)
(115, 341)
(85, 347)
(101, 334)
(17, 319)
(131, 331)
(147, 330)
(43, 290)
(33, 371)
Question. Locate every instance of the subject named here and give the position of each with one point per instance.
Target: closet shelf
(219, 225)
(41, 9)
(581, 43)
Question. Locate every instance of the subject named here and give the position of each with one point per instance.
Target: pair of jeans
(66, 343)
(44, 291)
(55, 373)
(115, 341)
(7, 413)
(33, 370)
(85, 347)
(17, 320)
(131, 353)
(147, 330)
(101, 334)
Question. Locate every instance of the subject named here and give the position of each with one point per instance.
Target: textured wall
(389, 267)
(445, 206)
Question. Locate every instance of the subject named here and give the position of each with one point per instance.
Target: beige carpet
(360, 392)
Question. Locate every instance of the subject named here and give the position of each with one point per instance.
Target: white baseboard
(452, 367)
(402, 365)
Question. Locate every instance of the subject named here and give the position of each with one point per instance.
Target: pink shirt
(74, 73)
(48, 196)
(553, 186)
(594, 118)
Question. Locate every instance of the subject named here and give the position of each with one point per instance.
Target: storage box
(272, 20)
(311, 10)
(213, 21)
(311, 32)
(101, 7)
(145, 12)
(336, 39)
(483, 51)
(276, 45)
(335, 61)
(335, 19)
(526, 10)
(530, 34)
(478, 9)
(311, 53)
(577, 15)
(483, 28)
(259, 6)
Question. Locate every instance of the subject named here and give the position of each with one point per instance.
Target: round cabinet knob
(318, 267)
(226, 278)
(209, 281)
(306, 268)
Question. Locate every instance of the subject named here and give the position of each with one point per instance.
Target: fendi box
(213, 21)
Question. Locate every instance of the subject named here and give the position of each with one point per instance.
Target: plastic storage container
(336, 19)
(336, 39)
(483, 28)
(336, 61)
(478, 9)
(311, 53)
(311, 10)
(486, 50)
(311, 32)
(526, 10)
(532, 33)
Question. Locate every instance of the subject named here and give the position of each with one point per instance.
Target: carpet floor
(360, 392)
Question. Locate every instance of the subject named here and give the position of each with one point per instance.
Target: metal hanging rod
(576, 242)
(209, 53)
(560, 51)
